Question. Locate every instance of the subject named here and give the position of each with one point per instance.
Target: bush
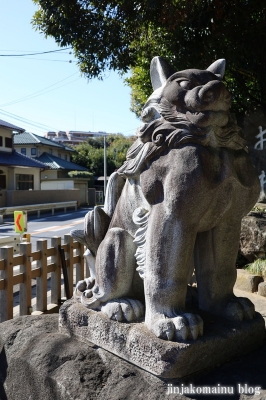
(81, 175)
(258, 267)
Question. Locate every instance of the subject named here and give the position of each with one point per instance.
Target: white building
(72, 137)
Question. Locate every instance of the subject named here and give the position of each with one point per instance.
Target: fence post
(6, 295)
(80, 265)
(25, 287)
(41, 298)
(70, 266)
(56, 275)
(65, 273)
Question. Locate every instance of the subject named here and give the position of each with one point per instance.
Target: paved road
(48, 225)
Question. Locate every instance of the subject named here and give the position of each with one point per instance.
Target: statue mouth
(207, 118)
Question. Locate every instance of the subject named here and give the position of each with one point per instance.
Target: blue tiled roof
(54, 162)
(32, 138)
(16, 159)
(11, 126)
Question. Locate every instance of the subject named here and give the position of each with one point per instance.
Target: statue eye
(184, 83)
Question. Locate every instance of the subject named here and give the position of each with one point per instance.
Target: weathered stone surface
(38, 363)
(262, 289)
(133, 342)
(246, 281)
(188, 181)
(253, 236)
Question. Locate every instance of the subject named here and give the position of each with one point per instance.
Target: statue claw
(183, 327)
(83, 286)
(239, 309)
(123, 309)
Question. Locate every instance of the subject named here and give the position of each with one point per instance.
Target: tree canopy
(90, 153)
(123, 35)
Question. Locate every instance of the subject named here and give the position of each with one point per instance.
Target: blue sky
(46, 91)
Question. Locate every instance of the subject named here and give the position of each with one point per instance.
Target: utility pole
(104, 164)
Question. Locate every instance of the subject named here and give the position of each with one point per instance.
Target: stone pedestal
(222, 341)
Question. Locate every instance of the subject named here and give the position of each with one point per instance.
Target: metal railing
(38, 208)
(37, 265)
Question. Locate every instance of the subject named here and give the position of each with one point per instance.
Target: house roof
(32, 138)
(11, 127)
(54, 162)
(16, 159)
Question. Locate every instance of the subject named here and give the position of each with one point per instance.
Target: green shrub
(259, 209)
(258, 267)
(82, 175)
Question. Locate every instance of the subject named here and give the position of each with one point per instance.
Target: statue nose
(227, 96)
(214, 91)
(208, 96)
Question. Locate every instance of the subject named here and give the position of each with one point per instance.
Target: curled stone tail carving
(140, 217)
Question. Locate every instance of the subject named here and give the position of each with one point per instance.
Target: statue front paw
(82, 286)
(123, 310)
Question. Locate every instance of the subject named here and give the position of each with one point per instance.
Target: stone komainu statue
(174, 206)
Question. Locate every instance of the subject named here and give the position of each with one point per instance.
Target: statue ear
(159, 71)
(218, 68)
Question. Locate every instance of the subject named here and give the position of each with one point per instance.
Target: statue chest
(195, 172)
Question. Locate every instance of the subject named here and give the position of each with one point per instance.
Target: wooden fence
(37, 265)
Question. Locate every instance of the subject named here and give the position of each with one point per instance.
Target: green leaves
(122, 35)
(91, 153)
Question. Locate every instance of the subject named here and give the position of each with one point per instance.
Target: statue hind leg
(215, 257)
(115, 277)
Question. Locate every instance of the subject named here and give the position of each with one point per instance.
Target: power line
(74, 80)
(41, 127)
(39, 92)
(129, 130)
(45, 59)
(36, 51)
(33, 54)
(25, 121)
(27, 51)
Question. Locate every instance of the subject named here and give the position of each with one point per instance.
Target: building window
(1, 141)
(50, 151)
(23, 150)
(2, 182)
(66, 157)
(59, 155)
(24, 182)
(33, 151)
(8, 142)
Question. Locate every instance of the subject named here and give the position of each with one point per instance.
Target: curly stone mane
(168, 128)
